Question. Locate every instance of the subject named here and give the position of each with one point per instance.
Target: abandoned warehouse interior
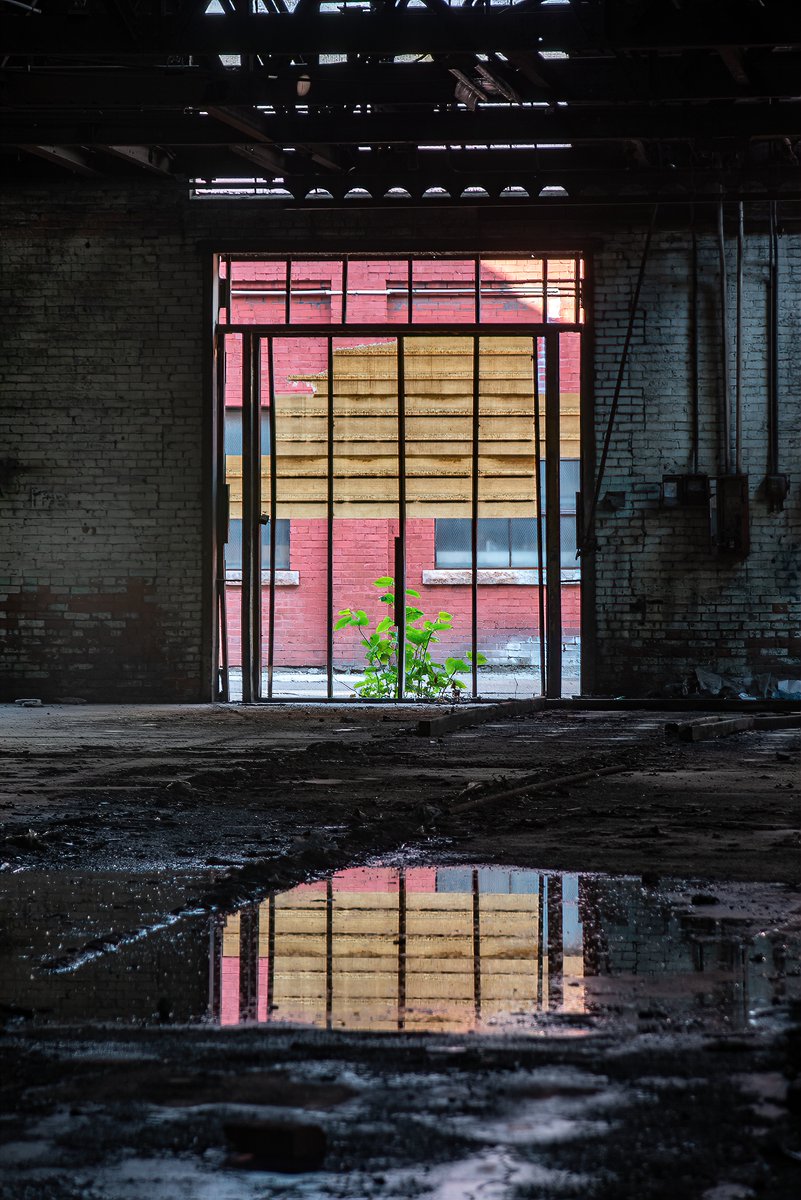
(400, 600)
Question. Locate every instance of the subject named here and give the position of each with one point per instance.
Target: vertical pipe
(329, 566)
(577, 288)
(400, 555)
(539, 518)
(773, 344)
(694, 394)
(545, 291)
(477, 290)
(553, 519)
(738, 366)
(725, 434)
(273, 518)
(474, 517)
(409, 292)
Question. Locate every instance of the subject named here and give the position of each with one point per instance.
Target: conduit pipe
(694, 416)
(588, 538)
(773, 345)
(724, 427)
(738, 376)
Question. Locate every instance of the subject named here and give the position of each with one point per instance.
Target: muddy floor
(657, 1056)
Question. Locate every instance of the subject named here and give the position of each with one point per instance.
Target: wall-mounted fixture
(775, 489)
(729, 525)
(684, 490)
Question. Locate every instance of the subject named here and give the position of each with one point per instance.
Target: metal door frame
(542, 336)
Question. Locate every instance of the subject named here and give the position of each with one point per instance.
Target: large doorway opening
(400, 454)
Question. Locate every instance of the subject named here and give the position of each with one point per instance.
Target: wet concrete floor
(252, 955)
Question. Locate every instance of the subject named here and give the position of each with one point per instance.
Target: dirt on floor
(125, 826)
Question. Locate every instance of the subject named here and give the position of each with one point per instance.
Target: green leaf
(342, 622)
(412, 592)
(384, 581)
(361, 617)
(383, 625)
(388, 599)
(455, 664)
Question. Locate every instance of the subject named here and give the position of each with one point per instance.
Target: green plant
(424, 678)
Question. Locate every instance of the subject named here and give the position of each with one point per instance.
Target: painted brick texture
(102, 591)
(101, 582)
(364, 551)
(664, 603)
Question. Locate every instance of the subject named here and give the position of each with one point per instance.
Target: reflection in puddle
(449, 949)
(455, 949)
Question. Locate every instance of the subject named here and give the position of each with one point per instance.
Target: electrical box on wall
(729, 524)
(682, 490)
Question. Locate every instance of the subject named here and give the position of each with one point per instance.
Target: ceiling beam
(317, 133)
(394, 31)
(149, 158)
(586, 80)
(71, 158)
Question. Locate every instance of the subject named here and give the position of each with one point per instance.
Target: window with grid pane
(505, 542)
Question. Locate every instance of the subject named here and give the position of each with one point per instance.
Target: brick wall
(102, 551)
(100, 581)
(364, 550)
(664, 603)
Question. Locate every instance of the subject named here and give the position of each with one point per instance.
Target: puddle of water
(452, 949)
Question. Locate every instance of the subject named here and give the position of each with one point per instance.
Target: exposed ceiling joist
(486, 126)
(149, 158)
(393, 31)
(71, 158)
(590, 81)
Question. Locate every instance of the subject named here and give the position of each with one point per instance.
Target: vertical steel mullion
(409, 291)
(476, 946)
(540, 939)
(329, 953)
(255, 483)
(576, 288)
(248, 962)
(270, 958)
(474, 518)
(329, 626)
(556, 957)
(222, 532)
(288, 293)
(400, 565)
(539, 527)
(553, 557)
(215, 966)
(344, 309)
(545, 291)
(248, 521)
(401, 948)
(477, 286)
(273, 519)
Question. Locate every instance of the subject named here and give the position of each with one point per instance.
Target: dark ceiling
(393, 101)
